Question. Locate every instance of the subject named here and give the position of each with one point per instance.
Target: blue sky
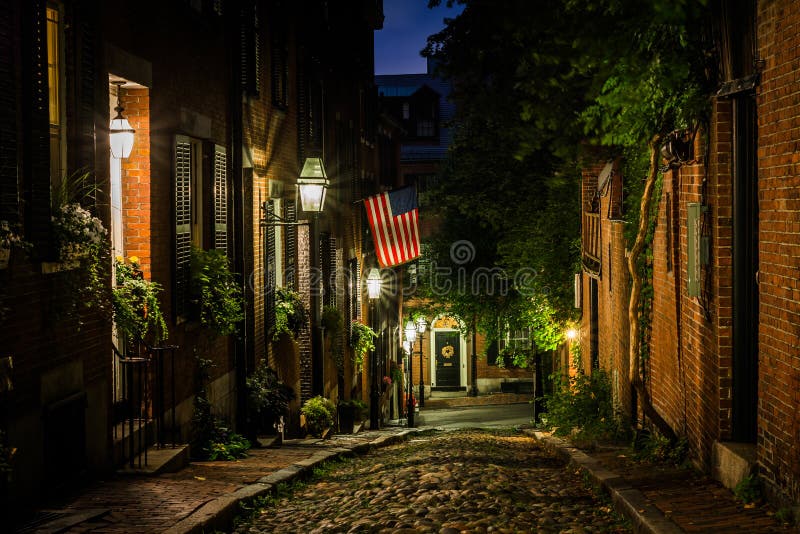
(405, 30)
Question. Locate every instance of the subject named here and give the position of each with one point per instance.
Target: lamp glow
(313, 184)
(374, 284)
(572, 334)
(120, 131)
(411, 332)
(422, 324)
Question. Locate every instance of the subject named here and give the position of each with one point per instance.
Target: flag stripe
(414, 235)
(396, 235)
(383, 218)
(371, 215)
(407, 232)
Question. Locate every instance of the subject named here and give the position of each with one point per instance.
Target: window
(513, 342)
(250, 50)
(426, 128)
(193, 208)
(56, 84)
(406, 111)
(279, 56)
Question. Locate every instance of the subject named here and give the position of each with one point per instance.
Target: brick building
(227, 100)
(419, 104)
(722, 367)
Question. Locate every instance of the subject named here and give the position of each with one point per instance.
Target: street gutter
(628, 501)
(218, 514)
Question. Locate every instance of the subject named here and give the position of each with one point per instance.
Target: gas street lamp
(421, 325)
(411, 336)
(374, 292)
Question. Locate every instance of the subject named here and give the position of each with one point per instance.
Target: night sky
(405, 30)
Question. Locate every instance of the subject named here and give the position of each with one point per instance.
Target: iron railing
(142, 388)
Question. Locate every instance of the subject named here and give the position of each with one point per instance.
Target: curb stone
(219, 513)
(628, 501)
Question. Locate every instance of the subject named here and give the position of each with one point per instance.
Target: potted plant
(268, 399)
(137, 311)
(217, 297)
(81, 243)
(350, 411)
(9, 238)
(290, 313)
(319, 413)
(333, 323)
(361, 339)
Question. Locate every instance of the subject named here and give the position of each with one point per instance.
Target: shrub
(749, 490)
(268, 397)
(215, 291)
(319, 413)
(653, 447)
(361, 339)
(290, 313)
(137, 311)
(358, 406)
(211, 439)
(581, 406)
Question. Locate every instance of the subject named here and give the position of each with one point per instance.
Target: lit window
(55, 82)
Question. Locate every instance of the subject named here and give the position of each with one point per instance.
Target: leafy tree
(536, 84)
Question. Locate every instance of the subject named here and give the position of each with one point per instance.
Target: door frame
(462, 348)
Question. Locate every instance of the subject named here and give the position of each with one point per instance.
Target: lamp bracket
(272, 219)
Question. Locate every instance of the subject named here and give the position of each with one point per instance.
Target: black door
(745, 267)
(448, 359)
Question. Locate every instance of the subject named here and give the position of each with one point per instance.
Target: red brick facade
(249, 133)
(696, 371)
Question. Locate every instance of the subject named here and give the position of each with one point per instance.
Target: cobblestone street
(446, 482)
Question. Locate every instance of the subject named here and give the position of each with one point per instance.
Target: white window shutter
(220, 199)
(183, 220)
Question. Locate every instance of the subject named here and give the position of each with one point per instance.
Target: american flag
(394, 220)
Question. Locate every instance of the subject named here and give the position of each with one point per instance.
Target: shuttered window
(9, 201)
(250, 49)
(290, 214)
(330, 272)
(354, 287)
(327, 262)
(270, 267)
(220, 199)
(35, 122)
(183, 221)
(279, 60)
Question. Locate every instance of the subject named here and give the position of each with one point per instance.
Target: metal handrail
(143, 378)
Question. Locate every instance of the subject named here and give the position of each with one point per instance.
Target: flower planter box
(347, 419)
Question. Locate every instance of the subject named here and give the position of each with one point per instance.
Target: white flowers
(77, 231)
(8, 237)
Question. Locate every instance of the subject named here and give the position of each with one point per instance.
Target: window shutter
(220, 199)
(9, 187)
(331, 297)
(35, 119)
(250, 49)
(269, 270)
(183, 221)
(327, 261)
(279, 58)
(85, 113)
(302, 115)
(291, 243)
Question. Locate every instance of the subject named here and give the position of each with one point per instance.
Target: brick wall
(135, 178)
(613, 285)
(779, 247)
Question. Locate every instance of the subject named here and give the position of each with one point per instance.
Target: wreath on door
(448, 351)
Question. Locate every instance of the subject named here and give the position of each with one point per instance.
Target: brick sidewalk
(662, 498)
(136, 504)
